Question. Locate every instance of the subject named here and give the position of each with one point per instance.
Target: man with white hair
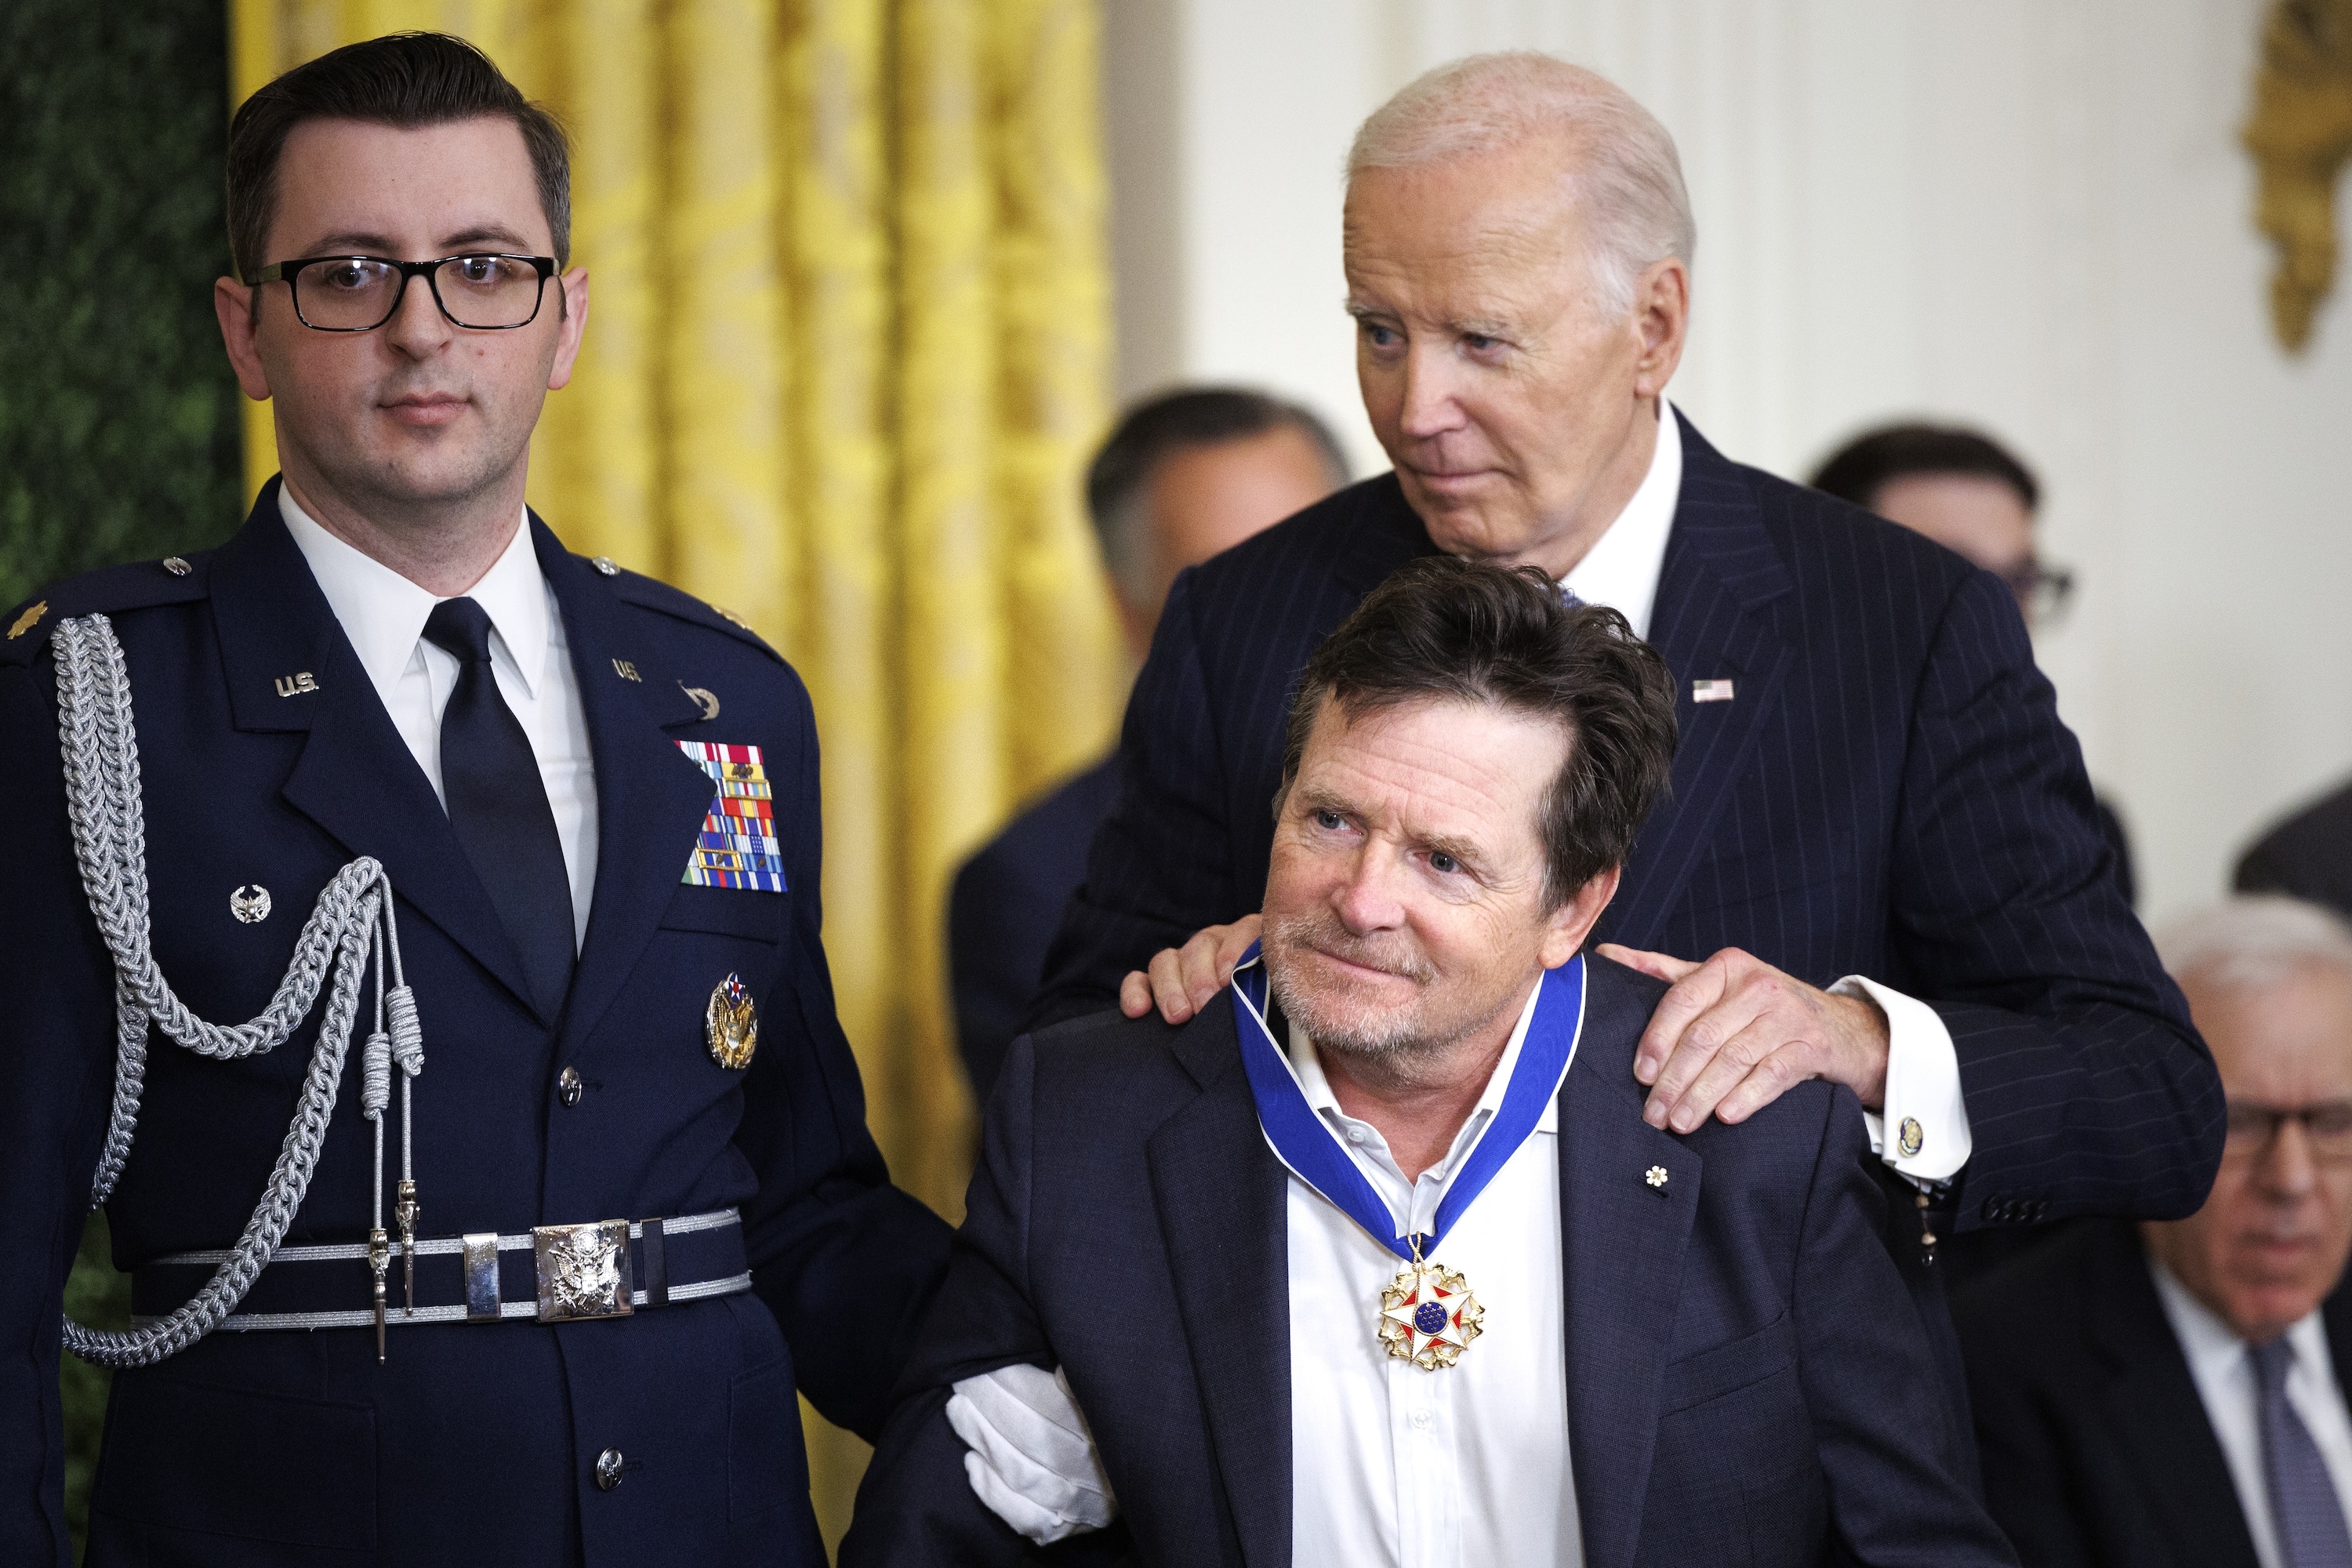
(2175, 1393)
(1881, 862)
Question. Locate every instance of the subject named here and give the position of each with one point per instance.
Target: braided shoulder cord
(349, 928)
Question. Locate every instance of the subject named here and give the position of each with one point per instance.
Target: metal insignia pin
(733, 1024)
(250, 904)
(704, 699)
(604, 564)
(176, 567)
(1657, 1177)
(28, 620)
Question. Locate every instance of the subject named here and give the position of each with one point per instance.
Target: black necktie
(498, 805)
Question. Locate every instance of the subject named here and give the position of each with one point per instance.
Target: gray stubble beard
(1393, 1057)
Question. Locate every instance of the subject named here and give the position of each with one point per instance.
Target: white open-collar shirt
(1459, 1467)
(383, 614)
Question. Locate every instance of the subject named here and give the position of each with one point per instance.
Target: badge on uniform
(732, 1024)
(738, 846)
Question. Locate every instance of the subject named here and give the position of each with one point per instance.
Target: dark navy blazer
(2097, 1449)
(1888, 793)
(1003, 908)
(475, 1442)
(1747, 1381)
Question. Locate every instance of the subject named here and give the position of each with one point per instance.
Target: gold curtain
(847, 350)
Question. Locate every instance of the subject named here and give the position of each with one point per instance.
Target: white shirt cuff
(1930, 1141)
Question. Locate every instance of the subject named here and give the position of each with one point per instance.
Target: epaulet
(652, 593)
(109, 591)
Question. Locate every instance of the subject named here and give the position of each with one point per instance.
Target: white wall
(2025, 216)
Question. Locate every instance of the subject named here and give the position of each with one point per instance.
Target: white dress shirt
(383, 615)
(1393, 1467)
(2223, 1368)
(1621, 568)
(1922, 1071)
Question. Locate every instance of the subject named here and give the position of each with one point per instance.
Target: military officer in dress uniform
(563, 1178)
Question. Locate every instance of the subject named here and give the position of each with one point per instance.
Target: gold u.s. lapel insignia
(733, 1024)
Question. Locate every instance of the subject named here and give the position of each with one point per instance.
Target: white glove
(1033, 1461)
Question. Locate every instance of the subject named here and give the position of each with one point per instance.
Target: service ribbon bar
(737, 846)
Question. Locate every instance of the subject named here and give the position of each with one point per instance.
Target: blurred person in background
(2174, 1394)
(1184, 475)
(2307, 856)
(1977, 500)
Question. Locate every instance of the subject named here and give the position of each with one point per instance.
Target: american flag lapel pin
(1710, 690)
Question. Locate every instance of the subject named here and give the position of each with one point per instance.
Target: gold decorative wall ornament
(2301, 133)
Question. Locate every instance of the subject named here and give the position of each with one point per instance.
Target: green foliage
(119, 435)
(117, 414)
(98, 1296)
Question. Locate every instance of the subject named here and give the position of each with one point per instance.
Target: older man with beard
(1376, 1260)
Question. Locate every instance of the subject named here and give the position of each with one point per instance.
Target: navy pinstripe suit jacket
(1888, 793)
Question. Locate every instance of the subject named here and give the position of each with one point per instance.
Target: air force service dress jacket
(1878, 784)
(1747, 1381)
(474, 1442)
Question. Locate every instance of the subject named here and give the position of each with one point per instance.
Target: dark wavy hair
(1458, 630)
(1157, 429)
(1858, 471)
(405, 81)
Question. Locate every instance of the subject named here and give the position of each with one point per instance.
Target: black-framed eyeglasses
(2043, 591)
(2327, 1126)
(482, 290)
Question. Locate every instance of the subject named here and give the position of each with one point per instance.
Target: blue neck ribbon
(1306, 1143)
